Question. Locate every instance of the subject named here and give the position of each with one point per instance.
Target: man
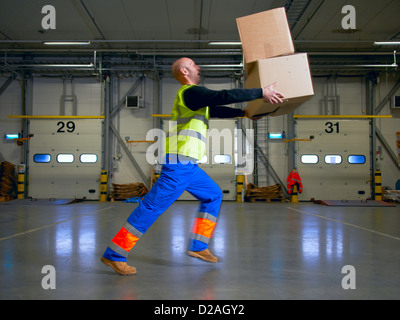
(185, 144)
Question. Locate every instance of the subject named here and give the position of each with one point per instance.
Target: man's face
(193, 71)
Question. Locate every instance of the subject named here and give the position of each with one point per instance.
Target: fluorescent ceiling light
(66, 43)
(225, 43)
(221, 66)
(90, 65)
(394, 65)
(387, 43)
(352, 66)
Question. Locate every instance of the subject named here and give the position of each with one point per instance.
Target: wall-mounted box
(134, 102)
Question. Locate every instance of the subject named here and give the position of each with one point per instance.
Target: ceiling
(151, 33)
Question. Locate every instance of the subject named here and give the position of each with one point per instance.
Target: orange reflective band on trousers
(203, 227)
(125, 240)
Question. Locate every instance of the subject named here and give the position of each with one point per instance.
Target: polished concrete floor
(266, 250)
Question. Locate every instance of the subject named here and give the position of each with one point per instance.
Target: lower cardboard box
(293, 77)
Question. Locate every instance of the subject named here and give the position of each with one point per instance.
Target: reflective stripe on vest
(189, 133)
(188, 129)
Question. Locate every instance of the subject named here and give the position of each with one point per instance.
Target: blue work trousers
(173, 181)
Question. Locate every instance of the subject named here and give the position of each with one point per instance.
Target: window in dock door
(88, 158)
(356, 159)
(333, 159)
(65, 158)
(222, 158)
(309, 158)
(203, 160)
(42, 158)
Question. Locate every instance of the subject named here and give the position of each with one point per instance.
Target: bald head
(178, 65)
(186, 71)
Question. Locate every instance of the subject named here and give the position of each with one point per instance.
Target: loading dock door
(65, 158)
(335, 165)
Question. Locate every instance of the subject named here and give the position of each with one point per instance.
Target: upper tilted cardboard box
(265, 35)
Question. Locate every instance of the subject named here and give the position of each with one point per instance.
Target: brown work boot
(203, 255)
(119, 267)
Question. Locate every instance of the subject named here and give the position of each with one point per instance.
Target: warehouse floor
(266, 250)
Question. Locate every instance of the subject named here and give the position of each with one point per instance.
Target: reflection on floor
(266, 251)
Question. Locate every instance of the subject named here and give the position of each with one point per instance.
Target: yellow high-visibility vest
(188, 129)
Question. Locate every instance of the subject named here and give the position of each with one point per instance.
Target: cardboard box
(292, 73)
(265, 35)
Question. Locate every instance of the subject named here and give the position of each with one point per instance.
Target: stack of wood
(8, 181)
(267, 194)
(129, 190)
(391, 195)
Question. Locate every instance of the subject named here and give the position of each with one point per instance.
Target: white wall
(47, 94)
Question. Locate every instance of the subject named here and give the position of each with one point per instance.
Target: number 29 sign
(65, 127)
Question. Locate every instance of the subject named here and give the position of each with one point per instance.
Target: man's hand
(271, 95)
